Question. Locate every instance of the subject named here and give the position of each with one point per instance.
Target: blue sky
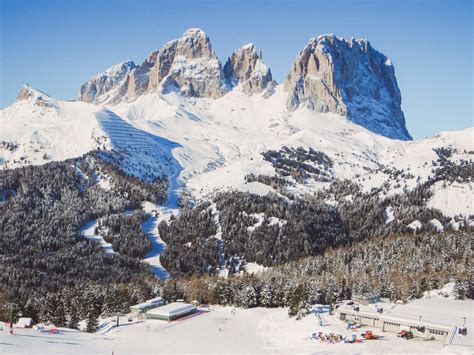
(57, 45)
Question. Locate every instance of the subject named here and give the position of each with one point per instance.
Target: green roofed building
(171, 311)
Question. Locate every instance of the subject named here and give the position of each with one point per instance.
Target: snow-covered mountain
(182, 114)
(330, 74)
(187, 65)
(351, 78)
(246, 67)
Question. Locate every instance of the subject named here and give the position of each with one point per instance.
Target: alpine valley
(189, 178)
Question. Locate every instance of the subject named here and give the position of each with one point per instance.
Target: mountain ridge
(330, 74)
(218, 144)
(232, 127)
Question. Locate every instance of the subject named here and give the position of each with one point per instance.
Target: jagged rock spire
(246, 67)
(187, 64)
(349, 78)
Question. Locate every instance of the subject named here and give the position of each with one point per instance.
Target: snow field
(211, 144)
(256, 330)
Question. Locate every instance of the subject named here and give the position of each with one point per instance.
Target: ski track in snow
(159, 214)
(142, 152)
(150, 228)
(212, 144)
(88, 230)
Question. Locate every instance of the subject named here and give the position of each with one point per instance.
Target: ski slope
(255, 330)
(207, 145)
(150, 228)
(88, 230)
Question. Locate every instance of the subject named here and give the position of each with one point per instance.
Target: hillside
(185, 178)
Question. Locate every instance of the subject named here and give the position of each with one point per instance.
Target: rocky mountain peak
(35, 96)
(245, 66)
(350, 78)
(189, 65)
(102, 87)
(330, 74)
(195, 44)
(27, 92)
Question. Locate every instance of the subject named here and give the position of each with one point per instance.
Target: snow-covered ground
(256, 330)
(453, 199)
(88, 230)
(212, 144)
(150, 228)
(439, 310)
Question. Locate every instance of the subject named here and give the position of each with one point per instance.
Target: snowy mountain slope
(38, 129)
(137, 152)
(209, 144)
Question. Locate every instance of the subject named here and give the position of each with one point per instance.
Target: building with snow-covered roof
(395, 324)
(147, 305)
(366, 298)
(171, 311)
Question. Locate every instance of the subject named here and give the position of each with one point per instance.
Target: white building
(391, 324)
(171, 311)
(147, 305)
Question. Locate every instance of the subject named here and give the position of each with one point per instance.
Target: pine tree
(267, 295)
(248, 297)
(469, 288)
(71, 307)
(92, 321)
(299, 302)
(459, 290)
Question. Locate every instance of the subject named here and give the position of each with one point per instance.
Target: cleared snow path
(88, 230)
(224, 272)
(150, 226)
(142, 152)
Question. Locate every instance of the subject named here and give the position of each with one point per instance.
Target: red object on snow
(368, 335)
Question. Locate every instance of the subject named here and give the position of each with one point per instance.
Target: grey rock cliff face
(107, 86)
(187, 65)
(349, 78)
(246, 67)
(330, 74)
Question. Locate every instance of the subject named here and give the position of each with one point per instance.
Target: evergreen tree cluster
(190, 245)
(41, 213)
(289, 229)
(125, 234)
(301, 163)
(397, 267)
(87, 302)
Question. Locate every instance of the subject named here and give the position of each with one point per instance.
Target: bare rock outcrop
(27, 92)
(349, 78)
(106, 87)
(187, 65)
(245, 67)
